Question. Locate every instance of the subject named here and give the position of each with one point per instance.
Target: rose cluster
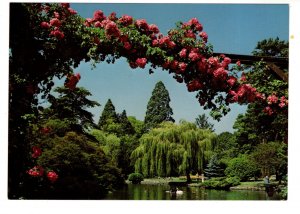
(274, 103)
(55, 23)
(38, 171)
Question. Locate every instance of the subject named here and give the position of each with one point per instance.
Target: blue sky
(232, 28)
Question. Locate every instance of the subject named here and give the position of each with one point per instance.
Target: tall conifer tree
(158, 108)
(126, 126)
(109, 113)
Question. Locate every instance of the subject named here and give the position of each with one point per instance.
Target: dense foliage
(135, 178)
(242, 167)
(171, 150)
(221, 183)
(202, 122)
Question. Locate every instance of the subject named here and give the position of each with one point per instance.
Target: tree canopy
(172, 150)
(158, 108)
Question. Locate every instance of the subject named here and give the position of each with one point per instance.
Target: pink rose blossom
(56, 15)
(112, 29)
(36, 171)
(268, 110)
(226, 62)
(202, 65)
(190, 34)
(272, 99)
(213, 61)
(220, 73)
(98, 24)
(142, 24)
(182, 66)
(141, 62)
(153, 28)
(183, 53)
(231, 81)
(126, 20)
(58, 34)
(204, 36)
(99, 15)
(155, 43)
(55, 22)
(45, 25)
(194, 55)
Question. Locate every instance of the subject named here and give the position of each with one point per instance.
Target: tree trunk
(188, 177)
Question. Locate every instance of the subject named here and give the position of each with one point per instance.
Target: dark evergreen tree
(108, 113)
(202, 122)
(126, 127)
(214, 168)
(158, 108)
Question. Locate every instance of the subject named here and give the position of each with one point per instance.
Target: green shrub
(221, 183)
(283, 193)
(234, 181)
(135, 178)
(242, 167)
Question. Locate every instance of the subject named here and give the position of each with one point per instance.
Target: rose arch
(49, 40)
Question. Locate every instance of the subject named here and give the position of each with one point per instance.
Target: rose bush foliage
(183, 52)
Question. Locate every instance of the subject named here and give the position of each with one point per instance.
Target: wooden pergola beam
(272, 62)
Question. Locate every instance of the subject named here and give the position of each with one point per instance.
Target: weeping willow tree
(172, 150)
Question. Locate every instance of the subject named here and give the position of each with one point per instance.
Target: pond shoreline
(252, 186)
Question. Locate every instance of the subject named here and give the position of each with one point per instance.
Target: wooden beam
(248, 59)
(278, 71)
(272, 62)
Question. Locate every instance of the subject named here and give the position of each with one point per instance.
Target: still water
(159, 192)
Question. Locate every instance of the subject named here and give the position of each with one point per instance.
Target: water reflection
(161, 192)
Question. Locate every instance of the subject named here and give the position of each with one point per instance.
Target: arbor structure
(158, 108)
(172, 150)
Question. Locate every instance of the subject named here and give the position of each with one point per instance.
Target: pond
(159, 192)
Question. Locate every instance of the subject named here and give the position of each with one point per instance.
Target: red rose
(52, 176)
(36, 171)
(182, 67)
(58, 34)
(204, 36)
(126, 20)
(45, 25)
(56, 15)
(231, 81)
(127, 46)
(36, 152)
(98, 15)
(142, 24)
(153, 28)
(141, 62)
(55, 22)
(183, 52)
